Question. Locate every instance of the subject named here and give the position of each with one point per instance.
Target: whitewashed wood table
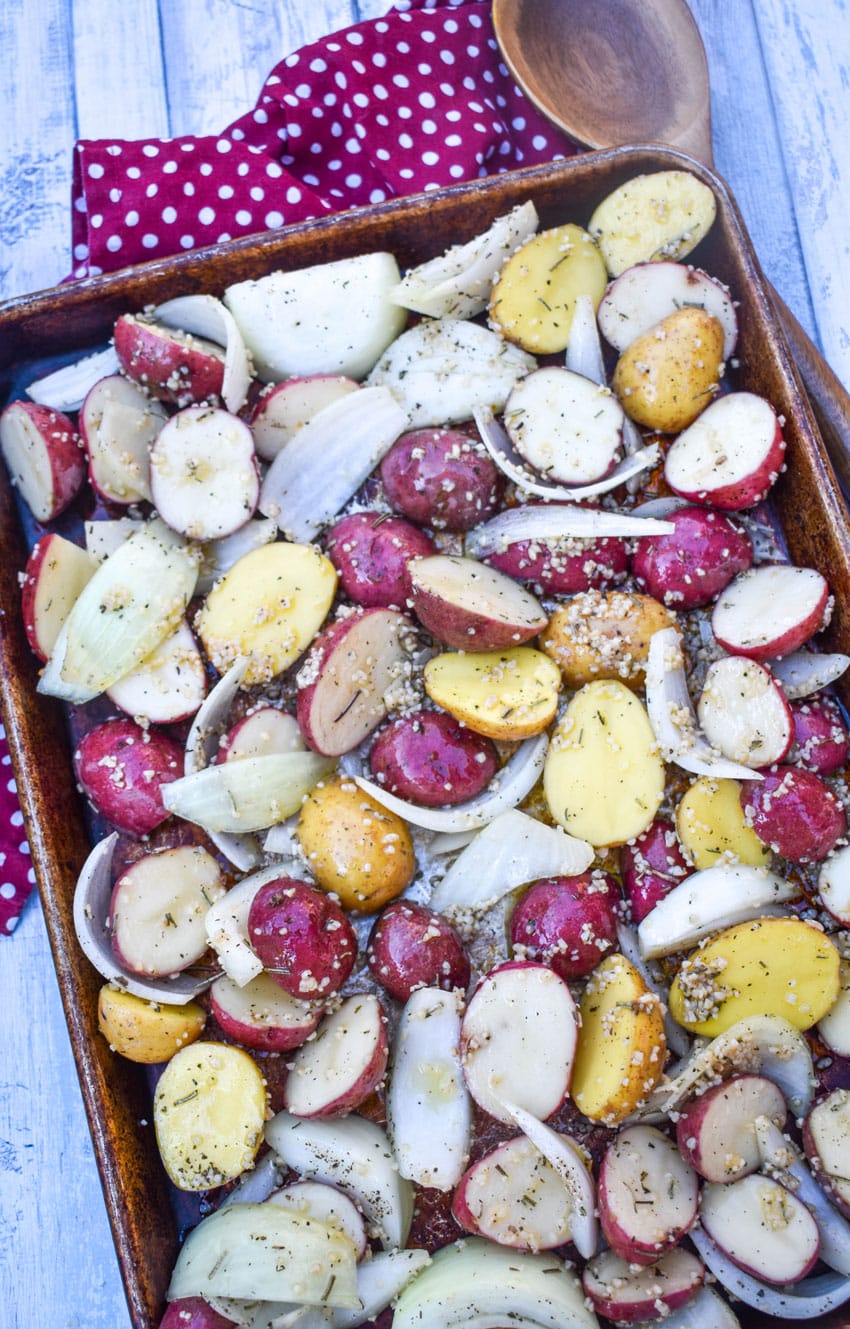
(780, 72)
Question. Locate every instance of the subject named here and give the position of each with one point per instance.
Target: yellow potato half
(209, 1110)
(657, 216)
(604, 777)
(604, 634)
(269, 606)
(621, 1045)
(769, 966)
(355, 848)
(508, 695)
(534, 299)
(711, 826)
(667, 377)
(144, 1030)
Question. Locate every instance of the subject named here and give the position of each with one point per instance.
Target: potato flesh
(209, 1109)
(510, 694)
(667, 377)
(770, 966)
(534, 299)
(621, 1045)
(145, 1031)
(604, 778)
(269, 606)
(712, 828)
(657, 216)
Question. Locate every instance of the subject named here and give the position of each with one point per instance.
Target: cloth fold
(409, 102)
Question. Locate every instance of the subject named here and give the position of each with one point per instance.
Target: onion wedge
(326, 462)
(227, 927)
(584, 349)
(561, 1154)
(678, 1041)
(512, 850)
(66, 389)
(246, 795)
(379, 1281)
(511, 784)
(511, 464)
(558, 522)
(243, 851)
(805, 672)
(810, 1299)
(205, 316)
(672, 717)
(708, 901)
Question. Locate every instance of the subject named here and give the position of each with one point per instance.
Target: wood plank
(119, 82)
(806, 47)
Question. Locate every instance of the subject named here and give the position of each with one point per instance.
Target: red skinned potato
(821, 735)
(261, 1015)
(744, 713)
(771, 611)
(56, 572)
(119, 422)
(44, 457)
(651, 865)
(303, 938)
(412, 947)
(648, 1194)
(122, 768)
(716, 1132)
(442, 478)
(566, 566)
(628, 1294)
(159, 908)
(473, 607)
(170, 365)
(514, 1197)
(695, 562)
(371, 552)
(430, 758)
(193, 1313)
(826, 1139)
(344, 683)
(568, 923)
(343, 1064)
(795, 813)
(284, 408)
(262, 733)
(762, 1226)
(203, 473)
(730, 456)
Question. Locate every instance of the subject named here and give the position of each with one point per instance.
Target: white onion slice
(380, 1279)
(672, 717)
(450, 844)
(559, 1151)
(678, 1040)
(66, 389)
(781, 1159)
(810, 1299)
(509, 787)
(558, 522)
(512, 850)
(92, 903)
(805, 672)
(220, 555)
(659, 507)
(52, 684)
(205, 316)
(511, 464)
(708, 901)
(584, 349)
(457, 284)
(326, 462)
(227, 927)
(256, 1185)
(707, 1310)
(246, 795)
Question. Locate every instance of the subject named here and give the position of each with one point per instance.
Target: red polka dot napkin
(413, 101)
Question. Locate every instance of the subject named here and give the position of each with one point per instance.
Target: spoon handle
(828, 395)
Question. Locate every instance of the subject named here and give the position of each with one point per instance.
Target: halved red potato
(771, 611)
(763, 1227)
(821, 734)
(795, 812)
(646, 293)
(262, 732)
(169, 685)
(345, 684)
(565, 566)
(514, 1197)
(473, 607)
(695, 562)
(122, 769)
(159, 908)
(730, 456)
(716, 1132)
(261, 1015)
(518, 1040)
(119, 422)
(303, 938)
(651, 865)
(648, 1194)
(171, 365)
(430, 758)
(442, 478)
(342, 1064)
(56, 572)
(44, 457)
(204, 479)
(412, 947)
(743, 712)
(826, 1138)
(628, 1294)
(568, 923)
(284, 408)
(372, 551)
(565, 426)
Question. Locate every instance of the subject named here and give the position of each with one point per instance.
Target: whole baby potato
(146, 1031)
(604, 634)
(355, 847)
(667, 377)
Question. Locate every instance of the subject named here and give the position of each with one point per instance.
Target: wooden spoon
(569, 56)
